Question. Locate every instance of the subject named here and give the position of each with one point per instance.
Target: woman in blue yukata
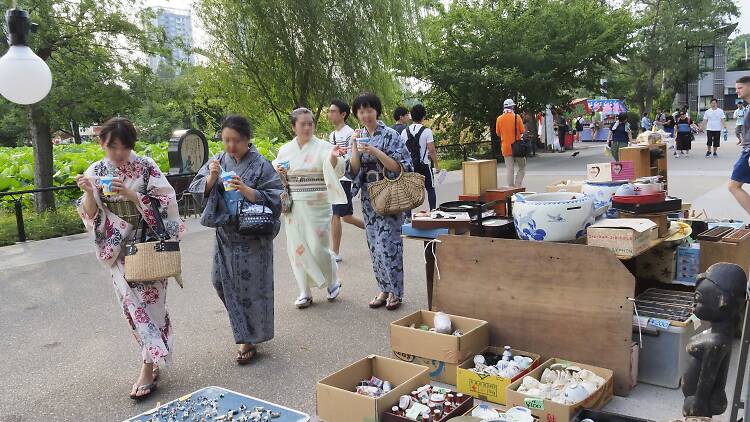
(378, 150)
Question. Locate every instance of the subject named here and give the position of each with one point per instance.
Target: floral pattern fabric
(144, 305)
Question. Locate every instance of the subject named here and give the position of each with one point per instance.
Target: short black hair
(622, 117)
(399, 112)
(418, 112)
(645, 114)
(239, 124)
(342, 106)
(367, 99)
(743, 79)
(714, 99)
(120, 129)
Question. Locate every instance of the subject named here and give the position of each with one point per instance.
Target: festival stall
(606, 113)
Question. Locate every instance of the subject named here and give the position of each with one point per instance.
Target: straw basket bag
(404, 193)
(146, 262)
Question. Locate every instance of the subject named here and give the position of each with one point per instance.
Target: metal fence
(465, 151)
(179, 182)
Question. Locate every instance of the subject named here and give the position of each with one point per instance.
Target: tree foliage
(480, 52)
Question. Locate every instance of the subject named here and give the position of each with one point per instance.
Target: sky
(199, 34)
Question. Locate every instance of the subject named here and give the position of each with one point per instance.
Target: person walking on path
(378, 152)
(312, 169)
(683, 134)
(137, 183)
(646, 123)
(739, 117)
(401, 117)
(242, 269)
(338, 113)
(509, 128)
(421, 145)
(741, 171)
(713, 123)
(619, 135)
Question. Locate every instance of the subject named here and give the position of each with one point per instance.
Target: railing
(179, 182)
(465, 148)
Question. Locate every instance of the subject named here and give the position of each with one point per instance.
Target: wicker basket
(125, 210)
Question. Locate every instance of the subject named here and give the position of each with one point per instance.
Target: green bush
(61, 222)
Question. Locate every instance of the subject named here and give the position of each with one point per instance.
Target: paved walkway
(68, 355)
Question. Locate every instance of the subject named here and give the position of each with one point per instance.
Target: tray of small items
(220, 404)
(429, 403)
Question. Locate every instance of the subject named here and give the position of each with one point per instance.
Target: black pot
(496, 227)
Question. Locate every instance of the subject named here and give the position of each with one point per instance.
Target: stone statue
(719, 296)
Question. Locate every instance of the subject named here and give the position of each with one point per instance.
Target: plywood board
(558, 300)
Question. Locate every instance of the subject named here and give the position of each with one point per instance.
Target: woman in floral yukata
(137, 181)
(312, 168)
(379, 151)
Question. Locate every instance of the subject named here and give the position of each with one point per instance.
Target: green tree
(663, 52)
(480, 52)
(89, 46)
(737, 53)
(274, 55)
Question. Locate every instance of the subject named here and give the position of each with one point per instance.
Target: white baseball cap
(508, 103)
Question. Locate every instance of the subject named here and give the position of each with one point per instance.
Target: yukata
(383, 231)
(314, 186)
(243, 264)
(144, 304)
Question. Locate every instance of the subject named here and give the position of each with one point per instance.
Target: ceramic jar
(552, 216)
(601, 193)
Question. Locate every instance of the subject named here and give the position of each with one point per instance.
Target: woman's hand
(85, 184)
(369, 149)
(214, 169)
(242, 188)
(338, 151)
(281, 170)
(119, 188)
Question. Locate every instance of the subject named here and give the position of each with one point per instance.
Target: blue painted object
(408, 230)
(232, 198)
(227, 400)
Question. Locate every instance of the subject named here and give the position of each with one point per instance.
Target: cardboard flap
(641, 225)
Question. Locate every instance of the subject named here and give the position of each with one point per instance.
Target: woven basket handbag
(404, 193)
(146, 262)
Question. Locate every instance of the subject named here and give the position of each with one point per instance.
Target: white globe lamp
(24, 77)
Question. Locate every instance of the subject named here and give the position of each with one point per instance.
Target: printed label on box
(486, 389)
(658, 322)
(534, 403)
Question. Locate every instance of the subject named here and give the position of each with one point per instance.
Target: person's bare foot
(145, 379)
(245, 353)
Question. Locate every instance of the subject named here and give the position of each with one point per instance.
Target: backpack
(412, 144)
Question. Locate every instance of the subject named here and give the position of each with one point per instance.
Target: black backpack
(412, 144)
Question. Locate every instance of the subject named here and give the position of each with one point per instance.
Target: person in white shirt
(338, 112)
(419, 135)
(739, 117)
(713, 124)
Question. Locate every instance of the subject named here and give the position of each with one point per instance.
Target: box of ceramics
(558, 389)
(429, 403)
(439, 336)
(487, 375)
(367, 388)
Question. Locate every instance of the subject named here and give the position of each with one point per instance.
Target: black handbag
(520, 148)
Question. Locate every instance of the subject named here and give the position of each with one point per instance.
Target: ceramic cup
(519, 414)
(227, 176)
(106, 182)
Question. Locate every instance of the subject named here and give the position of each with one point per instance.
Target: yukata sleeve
(159, 189)
(396, 149)
(198, 186)
(269, 187)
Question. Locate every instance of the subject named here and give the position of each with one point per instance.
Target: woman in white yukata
(312, 168)
(137, 182)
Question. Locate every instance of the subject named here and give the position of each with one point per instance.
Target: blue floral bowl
(552, 216)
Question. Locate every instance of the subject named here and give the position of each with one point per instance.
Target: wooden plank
(559, 300)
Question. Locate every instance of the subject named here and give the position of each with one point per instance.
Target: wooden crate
(640, 158)
(735, 253)
(479, 176)
(501, 193)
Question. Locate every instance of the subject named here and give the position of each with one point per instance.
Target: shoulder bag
(147, 262)
(520, 147)
(404, 193)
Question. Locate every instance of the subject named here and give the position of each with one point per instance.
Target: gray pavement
(67, 353)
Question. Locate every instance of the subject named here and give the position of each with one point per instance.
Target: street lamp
(24, 77)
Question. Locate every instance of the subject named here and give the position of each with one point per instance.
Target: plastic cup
(106, 182)
(284, 164)
(227, 176)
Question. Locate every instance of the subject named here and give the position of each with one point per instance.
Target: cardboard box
(439, 371)
(461, 410)
(479, 176)
(657, 264)
(441, 347)
(337, 401)
(549, 411)
(608, 172)
(735, 253)
(488, 387)
(625, 237)
(688, 264)
(660, 219)
(566, 186)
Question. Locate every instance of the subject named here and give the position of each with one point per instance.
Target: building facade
(178, 27)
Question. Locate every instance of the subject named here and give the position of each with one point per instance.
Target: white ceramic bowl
(601, 193)
(648, 188)
(552, 216)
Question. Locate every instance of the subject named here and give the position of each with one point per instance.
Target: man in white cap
(509, 128)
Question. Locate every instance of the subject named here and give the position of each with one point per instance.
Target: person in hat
(509, 128)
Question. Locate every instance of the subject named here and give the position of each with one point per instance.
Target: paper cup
(106, 182)
(227, 176)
